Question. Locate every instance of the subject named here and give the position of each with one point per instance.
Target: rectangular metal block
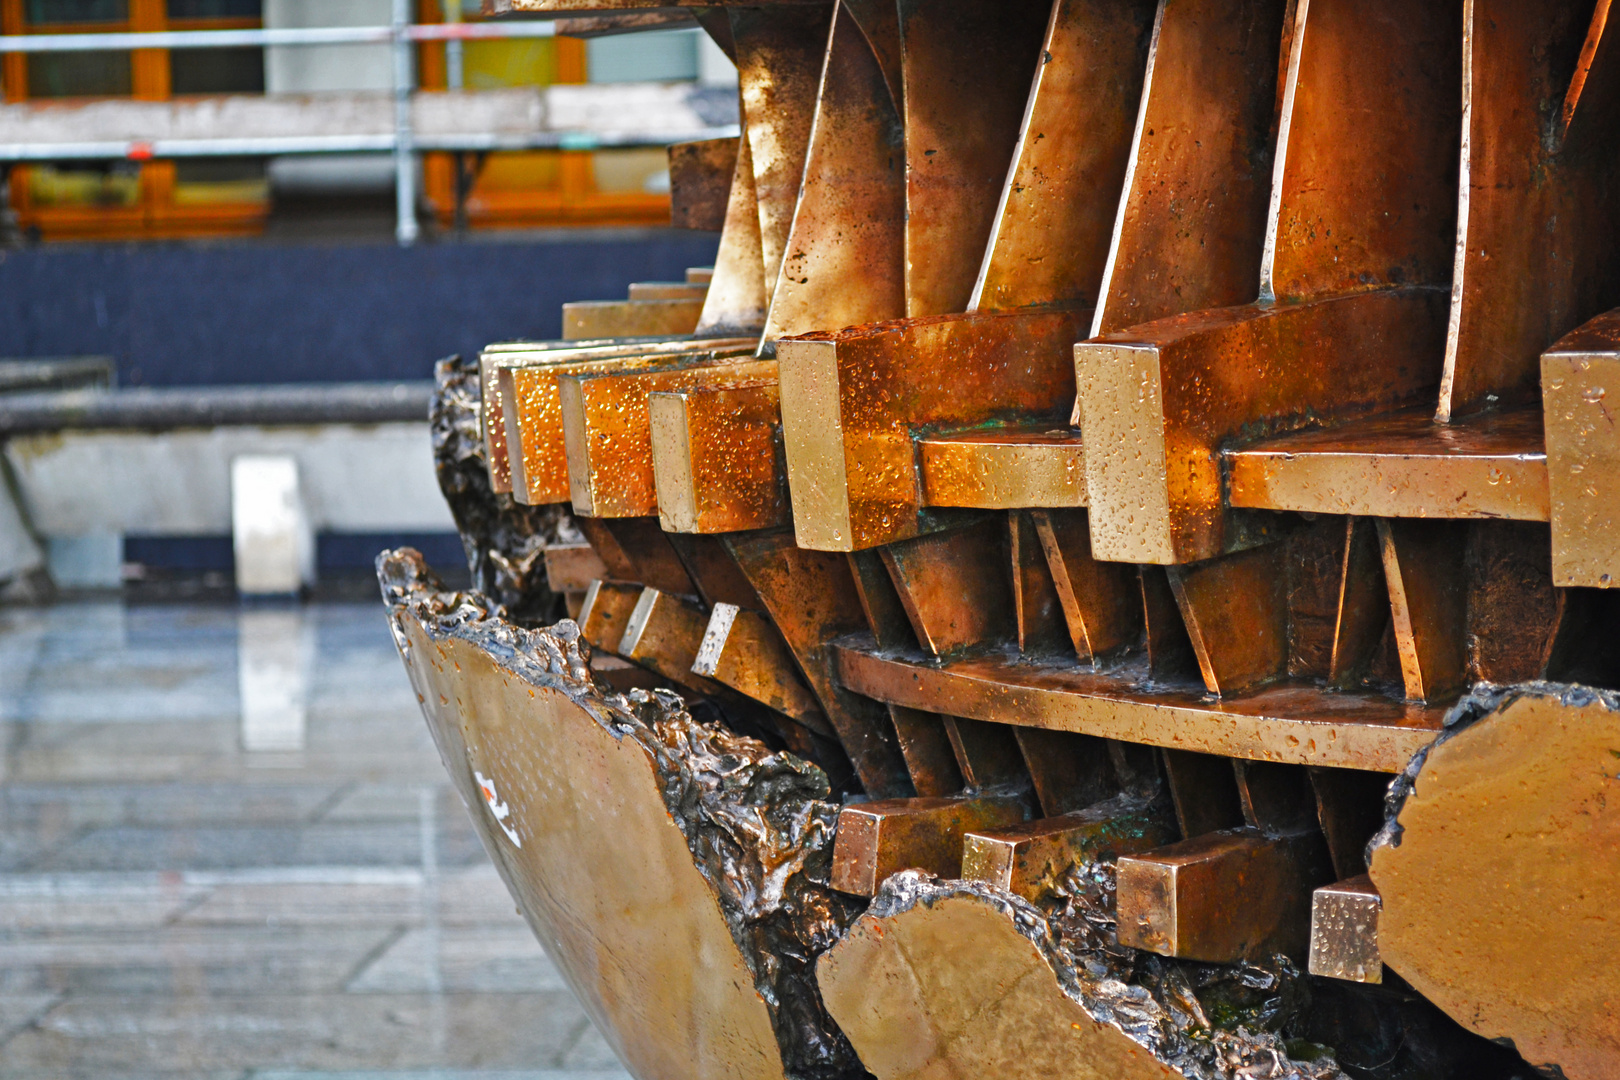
(1004, 468)
(572, 567)
(629, 318)
(1031, 858)
(743, 650)
(1583, 454)
(605, 612)
(876, 839)
(927, 749)
(717, 458)
(1424, 569)
(1236, 612)
(953, 604)
(664, 633)
(1344, 931)
(1102, 605)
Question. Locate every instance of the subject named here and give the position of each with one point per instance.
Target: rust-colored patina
(717, 458)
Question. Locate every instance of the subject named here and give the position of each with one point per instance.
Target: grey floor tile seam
(328, 804)
(372, 955)
(37, 861)
(33, 1022)
(573, 1041)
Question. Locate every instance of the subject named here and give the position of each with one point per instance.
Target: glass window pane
(657, 56)
(217, 71)
(71, 11)
(86, 74)
(216, 9)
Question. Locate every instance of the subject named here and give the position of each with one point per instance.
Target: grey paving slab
(503, 959)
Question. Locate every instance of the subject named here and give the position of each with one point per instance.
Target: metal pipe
(454, 48)
(317, 35)
(405, 228)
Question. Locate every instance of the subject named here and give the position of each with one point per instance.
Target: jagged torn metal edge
(1130, 1008)
(1484, 700)
(758, 824)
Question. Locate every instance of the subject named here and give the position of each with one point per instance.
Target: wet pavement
(228, 849)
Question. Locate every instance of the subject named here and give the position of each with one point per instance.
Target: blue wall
(251, 312)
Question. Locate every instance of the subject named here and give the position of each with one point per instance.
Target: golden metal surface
(1069, 772)
(880, 603)
(1362, 614)
(1039, 611)
(953, 604)
(666, 290)
(735, 301)
(851, 401)
(1153, 416)
(1204, 790)
(879, 20)
(779, 59)
(663, 633)
(1286, 722)
(845, 253)
(629, 318)
(702, 275)
(532, 409)
(700, 175)
(1192, 221)
(987, 754)
(605, 612)
(1031, 859)
(876, 839)
(1101, 603)
(811, 598)
(1222, 897)
(951, 988)
(1519, 286)
(967, 67)
(635, 549)
(1499, 900)
(1583, 454)
(1429, 605)
(927, 749)
(608, 434)
(603, 875)
(1490, 465)
(1050, 238)
(743, 650)
(572, 567)
(1003, 468)
(1344, 931)
(1236, 611)
(717, 458)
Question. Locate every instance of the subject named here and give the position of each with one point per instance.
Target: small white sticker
(499, 809)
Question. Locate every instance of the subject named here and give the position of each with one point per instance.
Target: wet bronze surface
(717, 458)
(572, 567)
(1236, 612)
(1003, 468)
(608, 435)
(876, 839)
(851, 402)
(664, 633)
(605, 613)
(1287, 722)
(735, 301)
(586, 319)
(743, 650)
(1499, 857)
(1583, 454)
(1039, 611)
(700, 185)
(1101, 603)
(1344, 931)
(926, 746)
(635, 549)
(951, 602)
(1403, 464)
(1429, 604)
(1031, 859)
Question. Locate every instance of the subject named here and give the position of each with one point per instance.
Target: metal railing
(401, 34)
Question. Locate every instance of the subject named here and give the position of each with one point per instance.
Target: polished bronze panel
(1042, 629)
(851, 400)
(967, 67)
(1499, 896)
(1051, 234)
(876, 839)
(583, 319)
(811, 598)
(636, 549)
(1350, 809)
(1403, 464)
(1513, 609)
(1004, 468)
(1275, 798)
(879, 20)
(779, 60)
(986, 753)
(1101, 602)
(1156, 401)
(844, 262)
(1031, 859)
(572, 567)
(713, 570)
(953, 604)
(1538, 246)
(1169, 647)
(1204, 791)
(702, 275)
(742, 650)
(1236, 612)
(630, 916)
(699, 186)
(1358, 204)
(532, 410)
(1222, 897)
(1289, 722)
(717, 458)
(608, 434)
(735, 301)
(1583, 453)
(666, 290)
(605, 612)
(951, 987)
(927, 748)
(664, 633)
(1069, 771)
(1362, 618)
(1429, 604)
(885, 614)
(1192, 222)
(1344, 931)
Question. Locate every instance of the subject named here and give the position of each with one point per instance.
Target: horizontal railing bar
(316, 35)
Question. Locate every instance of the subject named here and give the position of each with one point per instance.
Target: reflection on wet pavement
(228, 849)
